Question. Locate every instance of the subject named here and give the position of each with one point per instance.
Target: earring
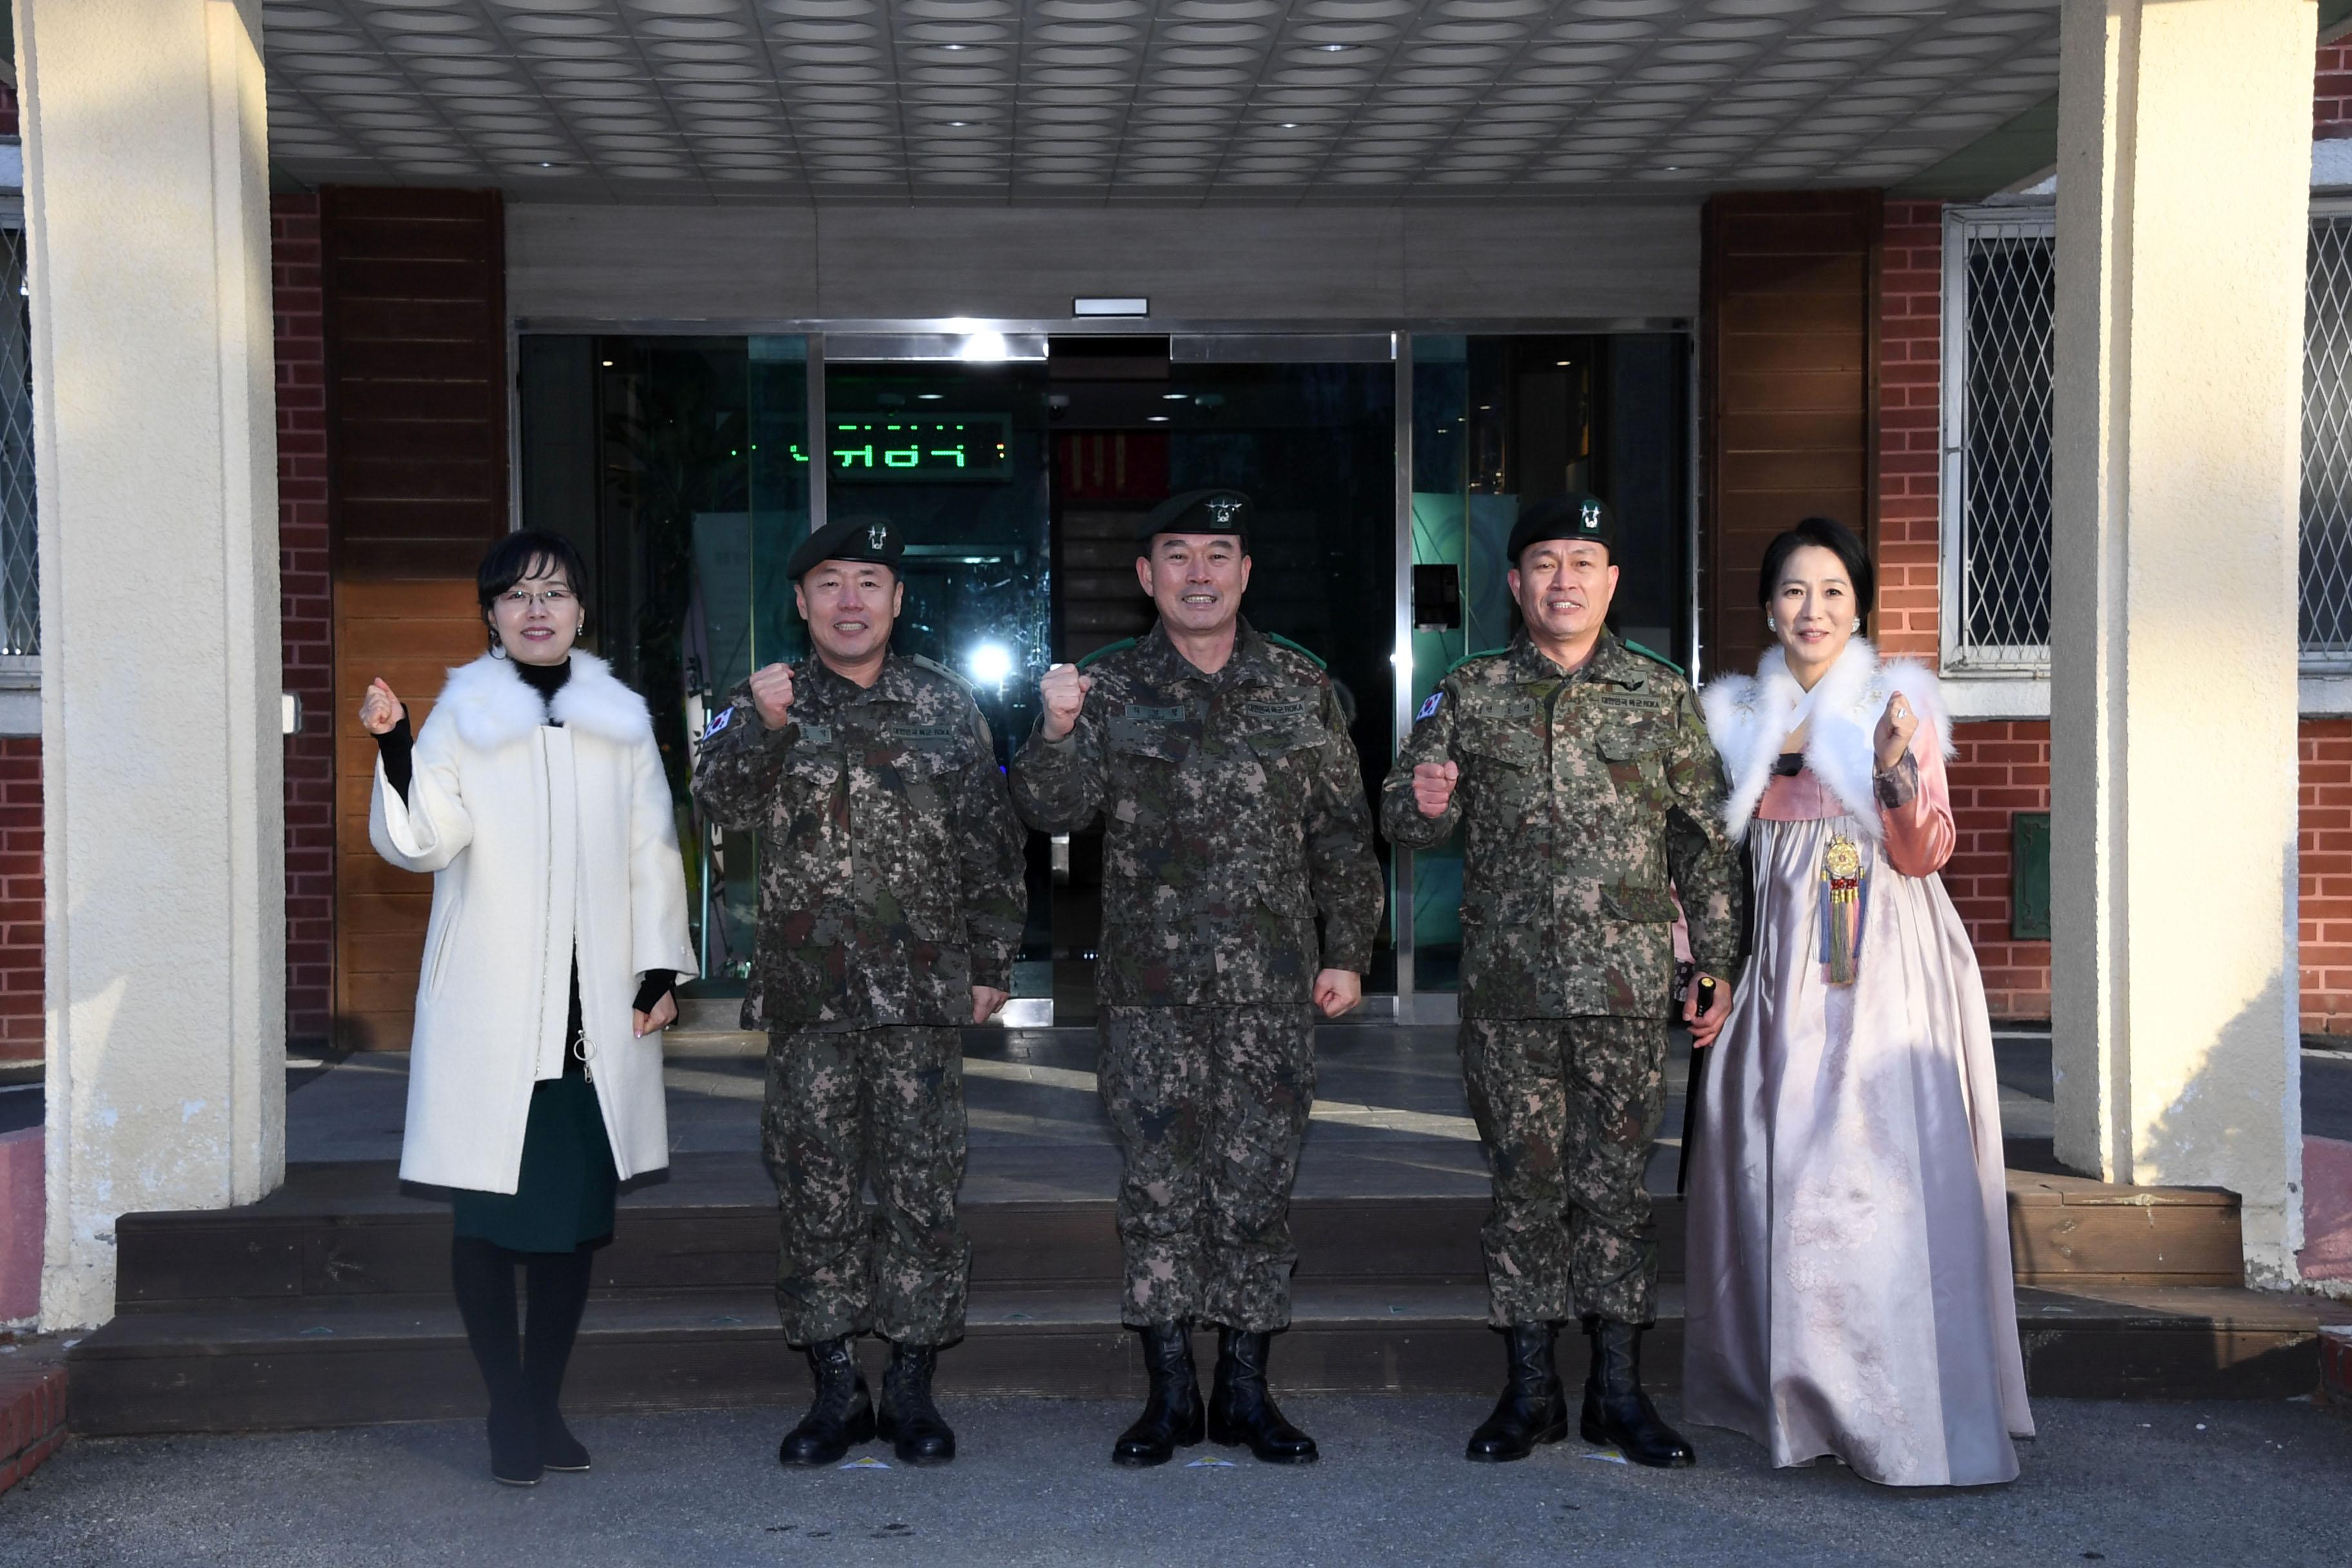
(498, 648)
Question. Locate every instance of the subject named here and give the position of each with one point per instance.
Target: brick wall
(2331, 92)
(2326, 864)
(2003, 768)
(1910, 351)
(21, 937)
(306, 624)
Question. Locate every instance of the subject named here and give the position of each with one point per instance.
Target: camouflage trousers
(1210, 1105)
(848, 1108)
(1567, 1109)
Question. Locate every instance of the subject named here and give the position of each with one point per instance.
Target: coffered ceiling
(1141, 100)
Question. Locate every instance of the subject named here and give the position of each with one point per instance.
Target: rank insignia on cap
(879, 536)
(1435, 698)
(1592, 515)
(1223, 508)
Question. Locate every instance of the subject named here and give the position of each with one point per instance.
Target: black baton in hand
(1692, 1085)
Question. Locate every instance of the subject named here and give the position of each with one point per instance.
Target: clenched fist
(380, 710)
(772, 694)
(1433, 786)
(1896, 728)
(1064, 692)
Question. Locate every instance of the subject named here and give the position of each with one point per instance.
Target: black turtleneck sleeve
(394, 746)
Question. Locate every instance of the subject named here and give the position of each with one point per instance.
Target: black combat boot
(1616, 1411)
(1171, 1411)
(1534, 1406)
(908, 1419)
(842, 1414)
(1241, 1411)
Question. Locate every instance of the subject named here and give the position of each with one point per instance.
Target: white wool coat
(536, 836)
(1748, 717)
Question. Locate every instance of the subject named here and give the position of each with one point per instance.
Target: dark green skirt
(564, 1199)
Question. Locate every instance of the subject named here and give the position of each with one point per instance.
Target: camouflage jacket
(1233, 810)
(1584, 795)
(892, 866)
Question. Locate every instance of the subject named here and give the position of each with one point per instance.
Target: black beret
(848, 539)
(1575, 515)
(1215, 510)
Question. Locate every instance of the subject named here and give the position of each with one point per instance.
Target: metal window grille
(2000, 288)
(2326, 554)
(20, 556)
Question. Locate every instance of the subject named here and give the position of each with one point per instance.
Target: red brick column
(1911, 347)
(2324, 885)
(2331, 92)
(22, 940)
(2003, 768)
(306, 625)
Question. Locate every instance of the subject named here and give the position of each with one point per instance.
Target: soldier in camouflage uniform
(1235, 812)
(1583, 773)
(891, 903)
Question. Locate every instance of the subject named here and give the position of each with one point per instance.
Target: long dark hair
(1837, 538)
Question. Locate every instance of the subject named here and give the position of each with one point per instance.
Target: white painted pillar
(2184, 157)
(147, 210)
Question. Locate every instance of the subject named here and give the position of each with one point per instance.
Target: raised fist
(1896, 728)
(1433, 786)
(772, 694)
(380, 710)
(1064, 692)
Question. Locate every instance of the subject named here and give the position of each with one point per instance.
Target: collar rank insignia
(1223, 508)
(879, 536)
(1592, 515)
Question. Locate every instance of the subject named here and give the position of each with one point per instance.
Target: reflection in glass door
(1498, 423)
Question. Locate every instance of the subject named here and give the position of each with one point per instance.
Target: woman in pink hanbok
(1850, 1287)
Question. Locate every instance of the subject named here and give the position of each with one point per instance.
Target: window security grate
(2000, 284)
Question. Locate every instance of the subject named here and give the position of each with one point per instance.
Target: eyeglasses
(523, 598)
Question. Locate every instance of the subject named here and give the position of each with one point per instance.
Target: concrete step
(361, 1361)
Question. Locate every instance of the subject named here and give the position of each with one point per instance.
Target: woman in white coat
(1849, 1284)
(535, 797)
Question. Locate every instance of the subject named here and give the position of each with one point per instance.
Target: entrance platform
(326, 1303)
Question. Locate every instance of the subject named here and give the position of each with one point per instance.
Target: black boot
(908, 1419)
(1534, 1406)
(1172, 1415)
(1241, 1411)
(842, 1414)
(559, 1294)
(1616, 1411)
(482, 1275)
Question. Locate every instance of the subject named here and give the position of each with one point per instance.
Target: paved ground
(2146, 1486)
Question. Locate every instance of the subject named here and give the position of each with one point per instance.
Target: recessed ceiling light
(929, 396)
(1290, 125)
(1335, 49)
(958, 123)
(1565, 363)
(1159, 419)
(608, 365)
(1175, 396)
(953, 48)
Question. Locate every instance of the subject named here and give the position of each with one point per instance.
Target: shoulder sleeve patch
(718, 721)
(1430, 707)
(1654, 658)
(1103, 653)
(1307, 653)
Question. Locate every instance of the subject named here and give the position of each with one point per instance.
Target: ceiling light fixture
(1157, 419)
(1175, 398)
(1335, 49)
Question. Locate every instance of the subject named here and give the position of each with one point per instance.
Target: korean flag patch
(1429, 706)
(718, 723)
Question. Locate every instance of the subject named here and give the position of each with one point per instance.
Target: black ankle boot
(841, 1413)
(908, 1418)
(482, 1276)
(1534, 1406)
(1616, 1411)
(1241, 1411)
(1172, 1415)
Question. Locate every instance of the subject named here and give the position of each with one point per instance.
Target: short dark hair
(511, 559)
(1839, 541)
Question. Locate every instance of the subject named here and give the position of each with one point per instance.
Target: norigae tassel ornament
(1841, 880)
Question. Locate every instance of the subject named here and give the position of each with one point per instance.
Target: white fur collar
(491, 706)
(1749, 717)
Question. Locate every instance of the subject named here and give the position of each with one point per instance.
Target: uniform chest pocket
(1635, 758)
(926, 777)
(1505, 746)
(1149, 732)
(1283, 741)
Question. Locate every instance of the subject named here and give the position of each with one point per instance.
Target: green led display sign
(949, 449)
